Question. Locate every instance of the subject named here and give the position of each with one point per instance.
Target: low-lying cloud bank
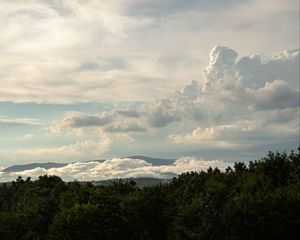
(117, 168)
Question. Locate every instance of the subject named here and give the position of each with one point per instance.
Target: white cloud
(269, 127)
(221, 65)
(18, 122)
(228, 136)
(28, 136)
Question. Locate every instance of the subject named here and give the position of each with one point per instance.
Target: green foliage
(259, 200)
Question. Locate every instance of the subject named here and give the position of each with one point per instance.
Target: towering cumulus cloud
(247, 98)
(221, 65)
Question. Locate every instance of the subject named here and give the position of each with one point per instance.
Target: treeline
(259, 200)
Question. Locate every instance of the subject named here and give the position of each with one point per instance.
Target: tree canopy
(258, 200)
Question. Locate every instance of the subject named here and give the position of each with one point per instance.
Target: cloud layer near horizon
(117, 168)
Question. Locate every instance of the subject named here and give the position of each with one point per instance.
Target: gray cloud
(81, 120)
(165, 8)
(128, 113)
(160, 114)
(131, 128)
(191, 91)
(242, 26)
(283, 66)
(275, 95)
(119, 121)
(104, 64)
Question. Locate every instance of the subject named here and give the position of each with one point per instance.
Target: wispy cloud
(19, 122)
(81, 150)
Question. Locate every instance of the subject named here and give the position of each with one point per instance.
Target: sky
(214, 81)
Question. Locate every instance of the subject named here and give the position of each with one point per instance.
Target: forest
(255, 200)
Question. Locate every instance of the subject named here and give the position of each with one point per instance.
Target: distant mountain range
(48, 165)
(155, 161)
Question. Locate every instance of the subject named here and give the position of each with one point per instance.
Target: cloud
(161, 113)
(119, 168)
(269, 127)
(225, 109)
(128, 113)
(222, 109)
(79, 120)
(271, 85)
(154, 115)
(221, 64)
(242, 26)
(117, 121)
(28, 136)
(165, 8)
(191, 91)
(78, 150)
(255, 74)
(238, 112)
(131, 128)
(20, 122)
(79, 51)
(104, 64)
(275, 95)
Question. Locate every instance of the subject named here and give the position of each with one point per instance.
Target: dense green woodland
(259, 200)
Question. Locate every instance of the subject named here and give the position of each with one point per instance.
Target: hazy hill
(48, 165)
(155, 161)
